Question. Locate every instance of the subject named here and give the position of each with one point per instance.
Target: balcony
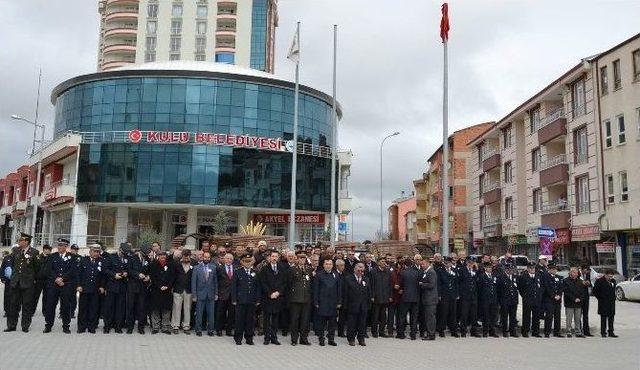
(553, 126)
(128, 14)
(556, 215)
(60, 192)
(121, 31)
(120, 48)
(492, 227)
(115, 64)
(491, 159)
(554, 170)
(492, 192)
(123, 2)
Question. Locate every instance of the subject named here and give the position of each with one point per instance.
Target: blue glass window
(228, 58)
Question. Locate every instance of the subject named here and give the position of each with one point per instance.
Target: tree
(148, 235)
(220, 223)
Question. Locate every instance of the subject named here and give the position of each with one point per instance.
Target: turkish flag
(444, 23)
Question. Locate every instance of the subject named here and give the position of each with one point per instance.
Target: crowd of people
(247, 290)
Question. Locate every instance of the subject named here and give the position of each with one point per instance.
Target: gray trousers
(181, 303)
(429, 312)
(161, 320)
(574, 317)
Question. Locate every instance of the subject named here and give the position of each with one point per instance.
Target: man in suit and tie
(327, 299)
(508, 299)
(585, 280)
(225, 311)
(357, 298)
(273, 284)
(115, 271)
(382, 290)
(604, 290)
(409, 285)
(139, 279)
(488, 299)
(61, 271)
(245, 295)
(204, 290)
(429, 298)
(22, 283)
(90, 287)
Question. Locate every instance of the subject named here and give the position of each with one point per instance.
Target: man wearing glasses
(23, 280)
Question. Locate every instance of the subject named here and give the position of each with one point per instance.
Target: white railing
(492, 221)
(551, 117)
(554, 161)
(488, 152)
(559, 205)
(488, 186)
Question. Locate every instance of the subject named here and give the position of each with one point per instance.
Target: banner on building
(316, 218)
(606, 247)
(585, 233)
(458, 244)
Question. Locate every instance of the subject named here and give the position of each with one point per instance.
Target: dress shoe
(362, 343)
(118, 330)
(274, 341)
(412, 336)
(494, 335)
(305, 342)
(106, 330)
(238, 342)
(198, 333)
(219, 333)
(249, 341)
(141, 331)
(66, 330)
(588, 335)
(375, 335)
(187, 332)
(25, 330)
(580, 336)
(611, 335)
(455, 335)
(400, 336)
(92, 331)
(546, 335)
(604, 335)
(484, 335)
(463, 335)
(9, 330)
(383, 335)
(332, 343)
(569, 335)
(352, 343)
(266, 341)
(513, 334)
(176, 331)
(294, 343)
(154, 331)
(129, 331)
(558, 335)
(321, 342)
(537, 335)
(525, 335)
(46, 330)
(168, 332)
(211, 334)
(441, 334)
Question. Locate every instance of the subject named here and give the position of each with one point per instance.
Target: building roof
(461, 130)
(188, 65)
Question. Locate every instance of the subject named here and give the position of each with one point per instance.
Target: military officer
(327, 299)
(137, 283)
(488, 299)
(115, 271)
(448, 292)
(24, 270)
(299, 295)
(531, 288)
(245, 296)
(552, 301)
(90, 287)
(61, 270)
(508, 300)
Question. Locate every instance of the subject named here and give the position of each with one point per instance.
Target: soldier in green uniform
(23, 281)
(299, 296)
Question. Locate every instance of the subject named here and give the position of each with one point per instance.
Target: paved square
(121, 351)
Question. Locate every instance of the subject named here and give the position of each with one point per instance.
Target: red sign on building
(316, 218)
(206, 138)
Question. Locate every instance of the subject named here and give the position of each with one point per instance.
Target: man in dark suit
(327, 299)
(448, 291)
(61, 271)
(299, 296)
(225, 311)
(74, 251)
(604, 290)
(273, 284)
(508, 300)
(429, 298)
(488, 300)
(357, 298)
(342, 312)
(468, 288)
(350, 262)
(204, 290)
(552, 301)
(163, 275)
(585, 280)
(6, 270)
(410, 288)
(382, 287)
(139, 279)
(90, 287)
(245, 296)
(24, 270)
(115, 275)
(531, 288)
(41, 279)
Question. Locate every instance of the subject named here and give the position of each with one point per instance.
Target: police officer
(61, 271)
(531, 289)
(448, 292)
(299, 295)
(327, 299)
(41, 279)
(115, 271)
(90, 287)
(73, 302)
(552, 301)
(6, 270)
(488, 299)
(508, 300)
(24, 270)
(468, 288)
(245, 296)
(137, 283)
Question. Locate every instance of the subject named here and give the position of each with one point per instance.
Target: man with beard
(273, 283)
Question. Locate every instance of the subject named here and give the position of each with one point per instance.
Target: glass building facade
(188, 173)
(259, 21)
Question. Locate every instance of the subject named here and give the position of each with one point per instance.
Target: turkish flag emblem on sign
(135, 136)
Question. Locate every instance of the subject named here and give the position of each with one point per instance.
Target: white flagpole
(334, 144)
(444, 238)
(294, 161)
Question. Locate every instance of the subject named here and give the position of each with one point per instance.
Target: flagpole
(294, 161)
(445, 157)
(334, 139)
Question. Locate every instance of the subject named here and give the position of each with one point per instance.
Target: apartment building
(429, 192)
(401, 218)
(618, 88)
(238, 32)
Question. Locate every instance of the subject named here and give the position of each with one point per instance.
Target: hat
(509, 266)
(531, 264)
(95, 247)
(62, 241)
(26, 236)
(125, 247)
(542, 257)
(552, 266)
(262, 242)
(75, 247)
(46, 246)
(246, 256)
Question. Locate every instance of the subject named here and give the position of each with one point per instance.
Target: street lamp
(36, 125)
(381, 145)
(352, 217)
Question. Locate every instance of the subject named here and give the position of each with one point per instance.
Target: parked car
(598, 271)
(629, 290)
(520, 260)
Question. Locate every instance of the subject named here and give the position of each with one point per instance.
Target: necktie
(358, 279)
(229, 272)
(206, 273)
(275, 269)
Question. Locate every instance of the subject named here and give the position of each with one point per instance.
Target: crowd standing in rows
(233, 290)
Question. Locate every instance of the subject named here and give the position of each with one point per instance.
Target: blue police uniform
(245, 293)
(488, 302)
(90, 280)
(113, 311)
(531, 289)
(62, 266)
(508, 300)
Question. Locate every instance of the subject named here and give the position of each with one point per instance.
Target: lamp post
(381, 214)
(352, 217)
(36, 126)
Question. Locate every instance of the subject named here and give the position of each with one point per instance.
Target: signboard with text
(585, 233)
(207, 138)
(316, 218)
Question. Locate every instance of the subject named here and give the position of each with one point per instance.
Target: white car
(629, 290)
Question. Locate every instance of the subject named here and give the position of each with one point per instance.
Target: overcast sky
(390, 69)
